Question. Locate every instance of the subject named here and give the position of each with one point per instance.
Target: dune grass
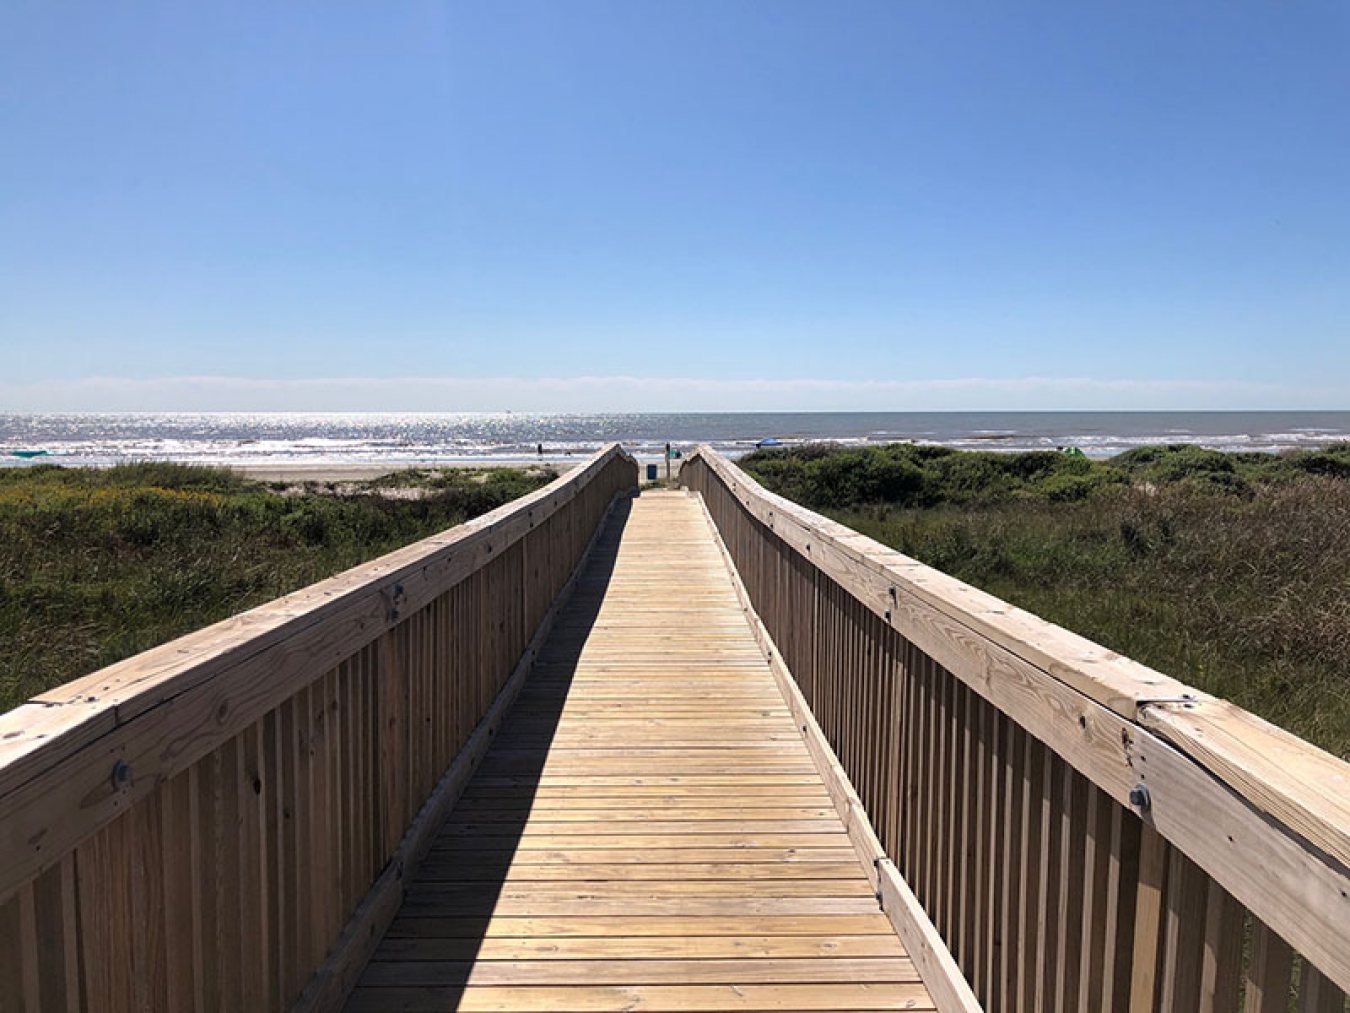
(99, 564)
(1230, 572)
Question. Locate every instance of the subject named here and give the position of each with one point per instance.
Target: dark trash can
(651, 473)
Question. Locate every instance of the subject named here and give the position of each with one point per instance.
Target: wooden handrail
(310, 716)
(40, 732)
(1265, 815)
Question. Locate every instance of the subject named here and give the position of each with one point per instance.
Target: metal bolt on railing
(1140, 798)
(121, 775)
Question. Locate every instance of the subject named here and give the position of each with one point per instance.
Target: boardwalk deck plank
(648, 832)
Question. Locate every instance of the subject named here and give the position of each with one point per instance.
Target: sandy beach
(337, 471)
(365, 471)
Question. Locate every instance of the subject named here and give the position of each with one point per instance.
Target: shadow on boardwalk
(441, 928)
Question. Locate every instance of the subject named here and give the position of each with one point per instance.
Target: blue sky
(887, 205)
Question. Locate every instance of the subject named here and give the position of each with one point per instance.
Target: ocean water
(286, 439)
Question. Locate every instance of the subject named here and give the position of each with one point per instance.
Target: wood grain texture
(649, 830)
(162, 709)
(869, 569)
(1038, 888)
(936, 965)
(743, 725)
(272, 767)
(1298, 784)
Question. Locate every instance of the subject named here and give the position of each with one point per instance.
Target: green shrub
(830, 477)
(1334, 462)
(1063, 487)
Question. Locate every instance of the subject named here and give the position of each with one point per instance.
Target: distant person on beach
(541, 450)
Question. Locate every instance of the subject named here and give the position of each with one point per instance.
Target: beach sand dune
(331, 471)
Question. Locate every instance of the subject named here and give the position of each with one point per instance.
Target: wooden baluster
(1148, 913)
(1268, 971)
(1074, 885)
(1317, 993)
(1221, 961)
(1014, 792)
(1185, 931)
(1095, 914)
(1029, 888)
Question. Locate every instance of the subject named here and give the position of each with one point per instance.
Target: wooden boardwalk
(649, 831)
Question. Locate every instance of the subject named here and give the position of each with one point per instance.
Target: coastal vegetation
(99, 564)
(1228, 571)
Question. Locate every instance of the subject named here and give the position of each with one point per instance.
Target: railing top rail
(42, 732)
(1109, 678)
(1117, 721)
